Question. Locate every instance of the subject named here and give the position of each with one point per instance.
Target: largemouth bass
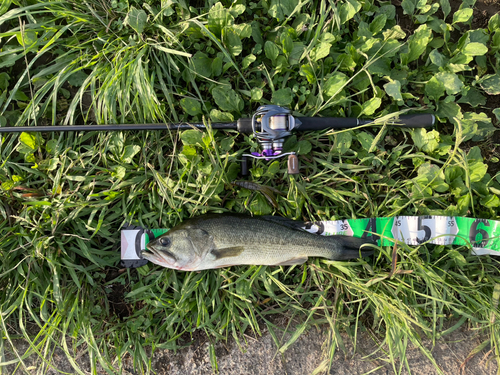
(222, 240)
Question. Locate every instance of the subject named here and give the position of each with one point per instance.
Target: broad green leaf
(408, 6)
(202, 64)
(417, 44)
(20, 96)
(388, 10)
(237, 9)
(393, 89)
(218, 18)
(475, 49)
(491, 84)
(10, 60)
(477, 126)
(496, 112)
(218, 116)
(495, 42)
(348, 9)
(450, 81)
(366, 140)
(296, 54)
(256, 93)
(26, 38)
(192, 137)
(136, 19)
(232, 41)
(472, 96)
(490, 201)
(369, 107)
(445, 6)
(216, 66)
(477, 169)
(259, 205)
(50, 164)
(478, 36)
(129, 152)
(308, 72)
(287, 43)
(247, 60)
(394, 33)
(449, 110)
(335, 84)
(280, 63)
(320, 51)
(437, 58)
(282, 97)
(243, 30)
(227, 99)
(494, 23)
(303, 147)
(78, 78)
(4, 81)
(280, 9)
(431, 174)
(271, 50)
(453, 172)
(378, 23)
(342, 142)
(191, 106)
(256, 33)
(424, 140)
(381, 67)
(28, 140)
(462, 15)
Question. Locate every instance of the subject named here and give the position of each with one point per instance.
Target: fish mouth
(161, 257)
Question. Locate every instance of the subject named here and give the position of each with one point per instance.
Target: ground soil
(454, 354)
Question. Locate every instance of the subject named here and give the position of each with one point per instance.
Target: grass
(64, 197)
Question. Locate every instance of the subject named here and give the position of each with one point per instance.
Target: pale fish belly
(265, 254)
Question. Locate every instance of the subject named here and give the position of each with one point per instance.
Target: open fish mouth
(160, 257)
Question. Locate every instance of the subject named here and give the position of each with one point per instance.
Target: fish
(221, 240)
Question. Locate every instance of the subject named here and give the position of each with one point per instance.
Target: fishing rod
(270, 124)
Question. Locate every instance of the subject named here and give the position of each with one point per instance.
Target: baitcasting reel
(271, 124)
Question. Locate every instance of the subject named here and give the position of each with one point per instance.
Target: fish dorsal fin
(227, 252)
(286, 222)
(293, 261)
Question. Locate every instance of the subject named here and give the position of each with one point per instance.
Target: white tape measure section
(338, 227)
(128, 244)
(330, 228)
(415, 230)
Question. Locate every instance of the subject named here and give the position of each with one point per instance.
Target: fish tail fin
(352, 247)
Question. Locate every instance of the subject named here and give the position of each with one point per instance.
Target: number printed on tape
(416, 230)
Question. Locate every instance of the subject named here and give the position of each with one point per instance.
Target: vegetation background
(65, 197)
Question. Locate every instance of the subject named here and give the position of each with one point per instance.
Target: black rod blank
(244, 125)
(115, 127)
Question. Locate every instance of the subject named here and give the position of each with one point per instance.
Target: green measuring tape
(481, 235)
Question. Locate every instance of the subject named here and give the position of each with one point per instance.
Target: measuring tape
(481, 235)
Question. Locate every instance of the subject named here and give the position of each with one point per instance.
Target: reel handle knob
(293, 164)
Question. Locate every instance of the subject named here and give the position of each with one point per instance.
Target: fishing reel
(270, 125)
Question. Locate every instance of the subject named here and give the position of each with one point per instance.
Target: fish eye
(164, 241)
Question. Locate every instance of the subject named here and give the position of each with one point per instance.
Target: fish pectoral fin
(227, 252)
(293, 261)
